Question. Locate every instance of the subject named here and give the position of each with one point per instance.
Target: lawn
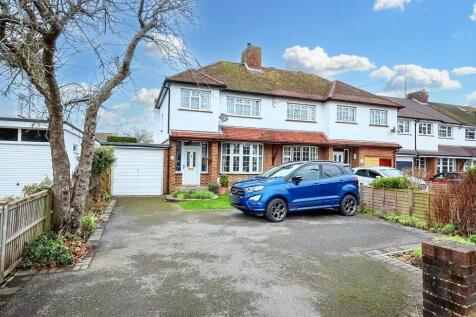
(220, 203)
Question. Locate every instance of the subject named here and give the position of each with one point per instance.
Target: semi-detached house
(242, 118)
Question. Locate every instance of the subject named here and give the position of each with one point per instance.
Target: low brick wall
(449, 279)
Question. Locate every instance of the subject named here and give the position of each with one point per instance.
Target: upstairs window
(403, 126)
(346, 114)
(445, 131)
(8, 134)
(470, 134)
(242, 107)
(33, 135)
(195, 99)
(378, 117)
(425, 128)
(301, 112)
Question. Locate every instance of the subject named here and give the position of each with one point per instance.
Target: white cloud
(466, 70)
(121, 106)
(471, 98)
(473, 16)
(390, 4)
(415, 77)
(164, 46)
(146, 96)
(318, 62)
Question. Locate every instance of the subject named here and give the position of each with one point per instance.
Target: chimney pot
(251, 56)
(420, 95)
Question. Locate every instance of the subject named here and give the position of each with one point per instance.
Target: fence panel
(21, 222)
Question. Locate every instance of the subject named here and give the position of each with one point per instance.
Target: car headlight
(253, 188)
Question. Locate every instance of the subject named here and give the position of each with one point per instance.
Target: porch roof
(444, 151)
(273, 136)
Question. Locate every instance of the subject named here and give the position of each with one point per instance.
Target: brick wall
(449, 279)
(431, 166)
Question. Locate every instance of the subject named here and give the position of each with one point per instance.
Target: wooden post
(3, 237)
(410, 202)
(48, 209)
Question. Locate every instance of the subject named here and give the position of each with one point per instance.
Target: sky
(381, 46)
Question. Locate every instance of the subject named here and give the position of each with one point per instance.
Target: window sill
(246, 117)
(399, 133)
(241, 173)
(446, 137)
(470, 139)
(195, 110)
(347, 122)
(303, 121)
(378, 125)
(431, 135)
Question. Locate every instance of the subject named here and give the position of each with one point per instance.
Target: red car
(446, 177)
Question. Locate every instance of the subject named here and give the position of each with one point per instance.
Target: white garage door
(138, 171)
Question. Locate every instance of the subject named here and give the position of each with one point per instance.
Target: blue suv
(297, 186)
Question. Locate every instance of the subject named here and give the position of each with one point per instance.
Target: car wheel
(276, 210)
(348, 205)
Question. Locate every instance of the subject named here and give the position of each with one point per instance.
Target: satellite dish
(223, 117)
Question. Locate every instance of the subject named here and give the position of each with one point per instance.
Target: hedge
(121, 139)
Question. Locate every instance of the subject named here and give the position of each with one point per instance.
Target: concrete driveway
(155, 261)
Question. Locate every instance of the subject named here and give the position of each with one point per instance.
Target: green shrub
(224, 182)
(36, 188)
(472, 238)
(418, 252)
(121, 139)
(103, 158)
(405, 220)
(89, 223)
(392, 183)
(46, 250)
(391, 218)
(213, 187)
(193, 194)
(448, 228)
(420, 224)
(458, 239)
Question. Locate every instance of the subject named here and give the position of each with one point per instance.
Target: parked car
(367, 175)
(297, 186)
(446, 177)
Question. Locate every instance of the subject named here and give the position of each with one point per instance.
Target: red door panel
(385, 162)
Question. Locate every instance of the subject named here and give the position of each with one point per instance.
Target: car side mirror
(297, 179)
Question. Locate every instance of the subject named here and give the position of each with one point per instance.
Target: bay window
(297, 153)
(445, 131)
(195, 99)
(425, 128)
(242, 107)
(446, 165)
(301, 112)
(241, 158)
(378, 117)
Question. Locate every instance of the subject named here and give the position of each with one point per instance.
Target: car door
(363, 175)
(330, 185)
(303, 194)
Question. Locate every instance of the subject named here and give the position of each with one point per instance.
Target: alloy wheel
(350, 205)
(278, 210)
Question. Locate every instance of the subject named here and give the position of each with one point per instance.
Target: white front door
(191, 166)
(339, 157)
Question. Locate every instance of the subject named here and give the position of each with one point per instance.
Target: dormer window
(195, 99)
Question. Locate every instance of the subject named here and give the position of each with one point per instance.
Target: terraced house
(243, 118)
(435, 137)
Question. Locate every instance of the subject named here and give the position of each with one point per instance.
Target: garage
(138, 170)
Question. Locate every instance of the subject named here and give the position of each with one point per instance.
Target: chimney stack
(420, 95)
(251, 56)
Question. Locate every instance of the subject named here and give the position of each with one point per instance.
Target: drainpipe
(415, 141)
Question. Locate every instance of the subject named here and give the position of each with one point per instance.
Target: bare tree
(141, 135)
(39, 38)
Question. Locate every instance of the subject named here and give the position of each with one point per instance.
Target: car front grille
(237, 191)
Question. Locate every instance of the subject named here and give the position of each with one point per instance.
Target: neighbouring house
(435, 137)
(25, 155)
(242, 118)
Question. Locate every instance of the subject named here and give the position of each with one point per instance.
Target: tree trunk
(61, 172)
(83, 175)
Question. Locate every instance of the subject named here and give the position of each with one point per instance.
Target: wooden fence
(399, 202)
(21, 221)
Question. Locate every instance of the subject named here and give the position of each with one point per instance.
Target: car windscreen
(391, 172)
(281, 171)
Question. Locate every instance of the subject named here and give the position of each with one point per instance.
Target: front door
(190, 167)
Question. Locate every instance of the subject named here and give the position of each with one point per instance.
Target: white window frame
(425, 128)
(194, 94)
(420, 163)
(378, 117)
(257, 156)
(301, 112)
(292, 151)
(346, 114)
(468, 164)
(445, 131)
(446, 164)
(467, 131)
(405, 127)
(234, 104)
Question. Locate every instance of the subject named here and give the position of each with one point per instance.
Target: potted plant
(223, 184)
